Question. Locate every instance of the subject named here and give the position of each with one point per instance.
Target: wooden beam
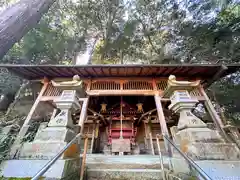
(215, 117)
(161, 158)
(101, 116)
(77, 72)
(32, 72)
(83, 114)
(93, 137)
(146, 130)
(151, 143)
(84, 158)
(154, 84)
(162, 121)
(143, 115)
(82, 117)
(29, 116)
(102, 71)
(17, 143)
(121, 92)
(140, 71)
(93, 69)
(89, 85)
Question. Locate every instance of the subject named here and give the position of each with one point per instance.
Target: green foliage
(139, 31)
(227, 94)
(8, 82)
(134, 31)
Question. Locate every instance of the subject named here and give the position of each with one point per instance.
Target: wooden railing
(137, 85)
(106, 87)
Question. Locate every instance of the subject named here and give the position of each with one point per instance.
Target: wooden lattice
(105, 85)
(195, 93)
(52, 91)
(138, 85)
(161, 85)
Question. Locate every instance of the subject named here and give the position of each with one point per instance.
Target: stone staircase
(108, 167)
(139, 167)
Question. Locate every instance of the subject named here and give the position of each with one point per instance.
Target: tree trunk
(18, 19)
(121, 57)
(92, 48)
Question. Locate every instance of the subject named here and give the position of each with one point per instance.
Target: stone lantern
(60, 129)
(192, 134)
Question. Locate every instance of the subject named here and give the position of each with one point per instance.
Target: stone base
(204, 144)
(67, 169)
(210, 151)
(55, 134)
(47, 150)
(198, 135)
(180, 165)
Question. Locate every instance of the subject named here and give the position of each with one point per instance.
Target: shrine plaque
(121, 145)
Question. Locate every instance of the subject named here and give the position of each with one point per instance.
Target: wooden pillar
(93, 138)
(97, 129)
(161, 158)
(83, 114)
(146, 135)
(82, 117)
(17, 143)
(151, 143)
(215, 117)
(84, 158)
(162, 121)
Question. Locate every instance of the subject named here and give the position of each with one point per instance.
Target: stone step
(140, 159)
(123, 166)
(124, 174)
(219, 169)
(98, 161)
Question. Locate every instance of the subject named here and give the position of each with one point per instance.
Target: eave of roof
(204, 71)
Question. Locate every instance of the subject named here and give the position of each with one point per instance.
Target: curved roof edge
(203, 71)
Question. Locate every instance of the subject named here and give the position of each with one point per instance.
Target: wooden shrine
(121, 108)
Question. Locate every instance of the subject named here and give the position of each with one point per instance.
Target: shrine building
(125, 110)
